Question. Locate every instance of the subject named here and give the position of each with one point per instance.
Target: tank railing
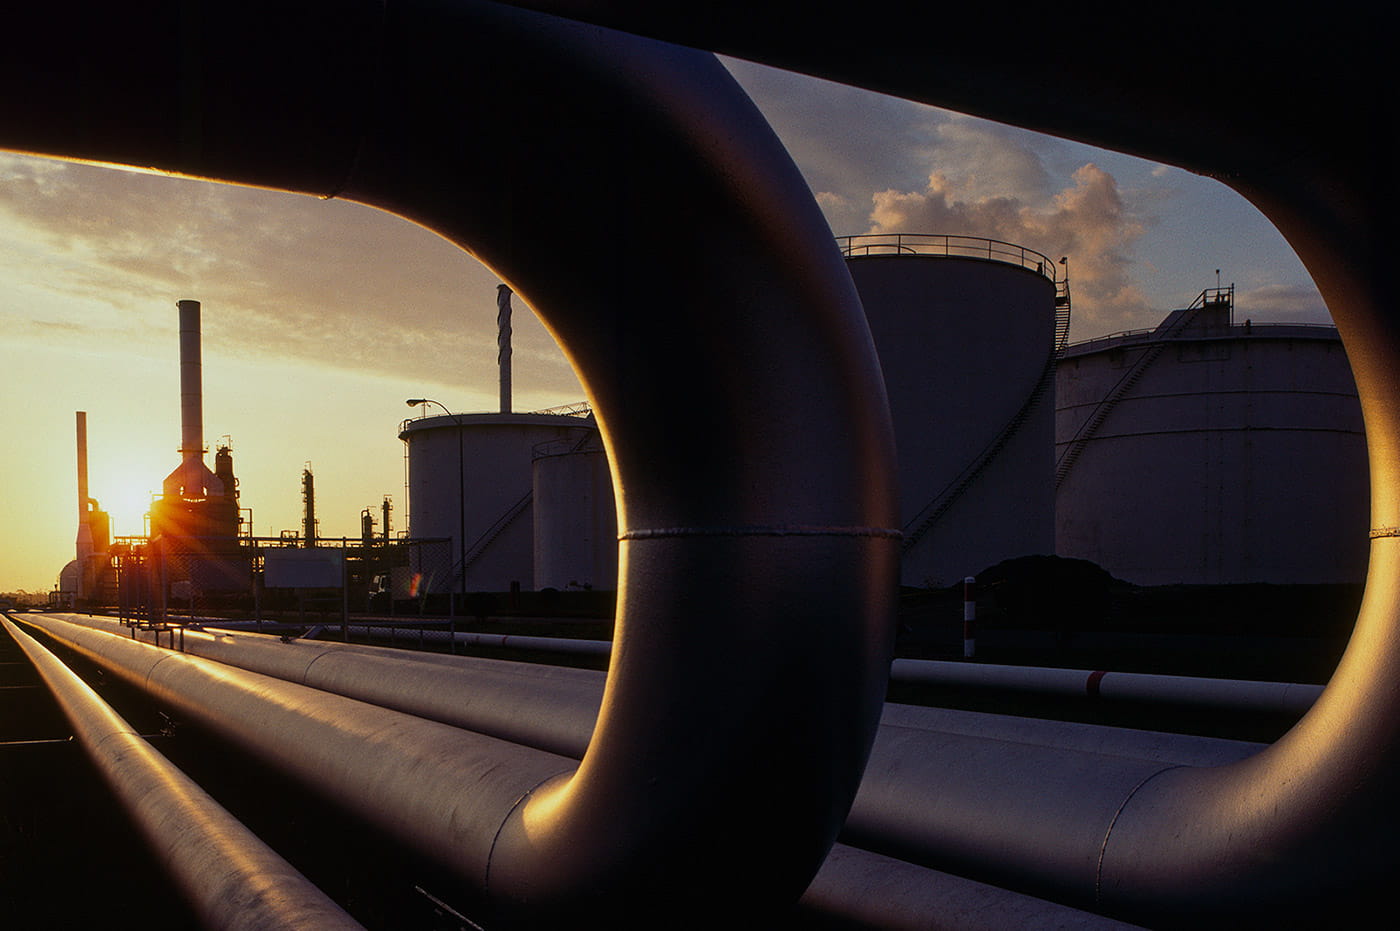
(563, 447)
(1142, 334)
(946, 244)
(1217, 295)
(578, 409)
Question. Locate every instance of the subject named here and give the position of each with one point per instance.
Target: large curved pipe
(1303, 828)
(232, 879)
(765, 521)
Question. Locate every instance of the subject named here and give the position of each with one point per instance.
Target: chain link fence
(161, 584)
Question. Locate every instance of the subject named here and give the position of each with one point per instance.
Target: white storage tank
(575, 517)
(488, 457)
(1203, 452)
(966, 331)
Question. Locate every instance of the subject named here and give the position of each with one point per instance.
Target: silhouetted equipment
(503, 351)
(195, 522)
(89, 575)
(717, 778)
(308, 507)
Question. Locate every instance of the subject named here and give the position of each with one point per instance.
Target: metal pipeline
(910, 790)
(545, 707)
(233, 880)
(443, 790)
(1101, 685)
(1306, 828)
(553, 708)
(727, 534)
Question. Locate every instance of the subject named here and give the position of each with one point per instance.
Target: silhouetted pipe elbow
(644, 208)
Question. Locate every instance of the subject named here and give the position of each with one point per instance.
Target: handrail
(1236, 331)
(950, 245)
(581, 409)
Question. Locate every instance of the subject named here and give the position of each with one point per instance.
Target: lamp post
(461, 504)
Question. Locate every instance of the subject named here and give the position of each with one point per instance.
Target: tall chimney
(308, 498)
(503, 293)
(84, 541)
(191, 384)
(192, 478)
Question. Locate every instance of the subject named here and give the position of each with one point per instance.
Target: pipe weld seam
(306, 670)
(762, 530)
(1112, 822)
(524, 797)
(152, 671)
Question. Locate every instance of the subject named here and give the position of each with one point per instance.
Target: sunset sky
(320, 317)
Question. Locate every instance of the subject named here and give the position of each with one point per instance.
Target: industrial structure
(88, 574)
(740, 731)
(1209, 452)
(196, 521)
(199, 551)
(526, 498)
(470, 479)
(967, 331)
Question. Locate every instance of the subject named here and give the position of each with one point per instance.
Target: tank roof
(448, 421)
(944, 245)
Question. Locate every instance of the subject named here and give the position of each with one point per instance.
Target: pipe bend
(632, 194)
(695, 288)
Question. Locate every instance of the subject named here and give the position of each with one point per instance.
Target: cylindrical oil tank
(1208, 453)
(575, 517)
(488, 458)
(965, 329)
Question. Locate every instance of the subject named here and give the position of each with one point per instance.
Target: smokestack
(191, 384)
(192, 478)
(503, 293)
(84, 541)
(308, 498)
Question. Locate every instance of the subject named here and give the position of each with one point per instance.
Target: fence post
(969, 617)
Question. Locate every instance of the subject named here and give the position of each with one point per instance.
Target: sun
(125, 492)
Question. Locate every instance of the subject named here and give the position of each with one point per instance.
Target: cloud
(846, 141)
(1281, 303)
(281, 276)
(986, 161)
(1088, 221)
